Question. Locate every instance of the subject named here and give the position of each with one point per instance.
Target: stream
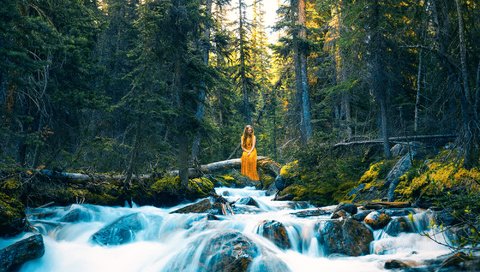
(167, 241)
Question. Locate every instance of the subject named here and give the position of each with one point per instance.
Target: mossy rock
(11, 186)
(168, 190)
(12, 216)
(290, 171)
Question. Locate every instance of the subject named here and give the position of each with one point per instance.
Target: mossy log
(387, 205)
(263, 162)
(400, 140)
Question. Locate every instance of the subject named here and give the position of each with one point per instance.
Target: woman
(249, 155)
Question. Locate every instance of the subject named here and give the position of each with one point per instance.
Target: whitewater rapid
(167, 238)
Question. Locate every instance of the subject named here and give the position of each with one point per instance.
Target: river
(168, 241)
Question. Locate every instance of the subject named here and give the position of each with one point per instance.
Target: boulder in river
(348, 207)
(377, 220)
(121, 231)
(200, 207)
(398, 225)
(225, 250)
(25, 250)
(276, 232)
(247, 201)
(359, 216)
(77, 214)
(348, 237)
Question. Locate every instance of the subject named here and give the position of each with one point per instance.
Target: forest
(334, 89)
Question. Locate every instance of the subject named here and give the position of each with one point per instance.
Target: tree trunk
(243, 75)
(417, 97)
(377, 70)
(202, 91)
(470, 123)
(301, 75)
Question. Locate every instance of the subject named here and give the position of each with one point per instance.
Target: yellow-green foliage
(437, 178)
(200, 187)
(11, 186)
(197, 187)
(290, 170)
(372, 173)
(167, 184)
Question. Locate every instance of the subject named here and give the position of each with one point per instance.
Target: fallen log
(401, 139)
(263, 162)
(387, 205)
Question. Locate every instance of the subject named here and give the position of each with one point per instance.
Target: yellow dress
(249, 162)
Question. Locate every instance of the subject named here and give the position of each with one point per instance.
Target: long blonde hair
(245, 134)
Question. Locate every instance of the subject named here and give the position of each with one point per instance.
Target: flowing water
(167, 242)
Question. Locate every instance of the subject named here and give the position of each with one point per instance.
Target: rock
(271, 190)
(308, 213)
(397, 264)
(280, 183)
(348, 207)
(361, 215)
(25, 250)
(212, 217)
(200, 207)
(377, 220)
(398, 225)
(357, 189)
(286, 197)
(224, 251)
(269, 263)
(12, 216)
(340, 214)
(348, 237)
(121, 231)
(247, 201)
(400, 168)
(275, 232)
(445, 218)
(226, 193)
(75, 215)
(461, 262)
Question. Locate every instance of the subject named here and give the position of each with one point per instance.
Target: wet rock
(121, 231)
(397, 264)
(445, 218)
(212, 217)
(357, 189)
(309, 213)
(286, 197)
(280, 183)
(226, 193)
(275, 232)
(247, 201)
(269, 263)
(299, 205)
(400, 168)
(271, 190)
(25, 250)
(348, 207)
(461, 262)
(398, 225)
(340, 214)
(348, 237)
(361, 215)
(377, 220)
(12, 216)
(200, 207)
(75, 215)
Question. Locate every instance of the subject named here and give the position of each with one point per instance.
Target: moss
(11, 186)
(200, 187)
(267, 180)
(290, 171)
(12, 215)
